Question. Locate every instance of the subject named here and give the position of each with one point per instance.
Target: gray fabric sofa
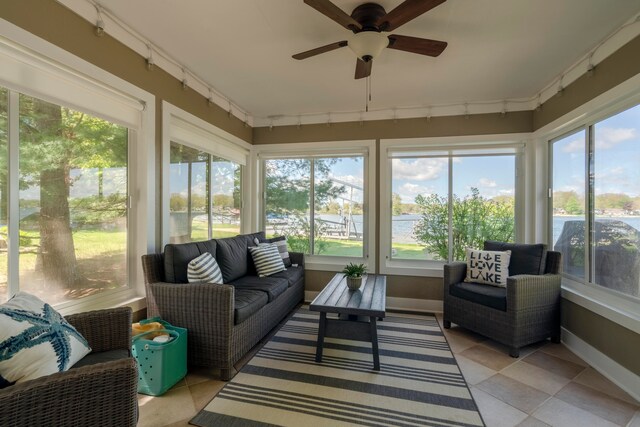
(223, 321)
(525, 312)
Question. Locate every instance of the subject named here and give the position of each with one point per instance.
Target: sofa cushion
(272, 286)
(525, 258)
(247, 302)
(487, 295)
(292, 274)
(177, 257)
(233, 256)
(102, 357)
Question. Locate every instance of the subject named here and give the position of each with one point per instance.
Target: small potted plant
(353, 273)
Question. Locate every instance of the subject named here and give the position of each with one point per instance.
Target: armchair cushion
(101, 357)
(525, 258)
(487, 295)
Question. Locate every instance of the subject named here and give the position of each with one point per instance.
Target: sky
(617, 157)
(492, 175)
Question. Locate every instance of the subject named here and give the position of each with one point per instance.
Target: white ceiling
(498, 49)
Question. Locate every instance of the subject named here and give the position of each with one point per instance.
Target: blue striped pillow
(267, 259)
(204, 268)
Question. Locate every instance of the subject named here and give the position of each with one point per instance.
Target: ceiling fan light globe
(368, 44)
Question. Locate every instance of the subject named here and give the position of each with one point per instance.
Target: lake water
(402, 225)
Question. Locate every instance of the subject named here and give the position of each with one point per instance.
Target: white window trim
(608, 304)
(53, 60)
(435, 268)
(184, 128)
(367, 148)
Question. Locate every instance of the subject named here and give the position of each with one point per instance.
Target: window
(226, 184)
(596, 202)
(4, 195)
(443, 201)
(205, 195)
(189, 194)
(72, 202)
(318, 203)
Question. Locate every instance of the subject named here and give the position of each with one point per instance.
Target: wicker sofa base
(248, 333)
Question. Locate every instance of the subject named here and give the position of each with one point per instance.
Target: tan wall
(428, 288)
(475, 124)
(617, 342)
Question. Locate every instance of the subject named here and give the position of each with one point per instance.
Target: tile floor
(547, 386)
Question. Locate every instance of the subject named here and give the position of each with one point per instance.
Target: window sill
(619, 310)
(127, 298)
(413, 268)
(334, 263)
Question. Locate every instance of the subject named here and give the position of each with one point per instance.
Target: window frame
(99, 93)
(587, 287)
(431, 268)
(601, 301)
(366, 149)
(182, 127)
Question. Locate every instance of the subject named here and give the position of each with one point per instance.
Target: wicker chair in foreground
(525, 312)
(99, 390)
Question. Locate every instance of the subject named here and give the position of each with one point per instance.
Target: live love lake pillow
(488, 267)
(35, 340)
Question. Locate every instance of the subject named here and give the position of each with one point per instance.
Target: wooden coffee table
(358, 312)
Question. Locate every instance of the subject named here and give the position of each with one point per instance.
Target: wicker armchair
(102, 394)
(530, 310)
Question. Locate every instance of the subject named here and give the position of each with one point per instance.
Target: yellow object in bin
(155, 327)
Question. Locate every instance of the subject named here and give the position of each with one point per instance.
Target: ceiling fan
(367, 22)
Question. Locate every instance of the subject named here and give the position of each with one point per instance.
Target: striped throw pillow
(267, 259)
(281, 243)
(204, 268)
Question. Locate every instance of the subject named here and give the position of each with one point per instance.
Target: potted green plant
(353, 273)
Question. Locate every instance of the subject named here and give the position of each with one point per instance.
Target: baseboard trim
(394, 303)
(616, 373)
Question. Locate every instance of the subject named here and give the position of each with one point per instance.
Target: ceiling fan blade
(416, 45)
(335, 13)
(363, 69)
(405, 12)
(319, 50)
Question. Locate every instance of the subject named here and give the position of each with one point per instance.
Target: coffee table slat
(336, 297)
(328, 291)
(379, 293)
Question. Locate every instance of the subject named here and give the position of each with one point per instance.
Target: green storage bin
(160, 365)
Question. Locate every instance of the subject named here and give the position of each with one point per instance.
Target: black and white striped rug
(419, 382)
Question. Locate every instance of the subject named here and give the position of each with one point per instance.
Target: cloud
(610, 137)
(409, 191)
(487, 183)
(574, 146)
(419, 169)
